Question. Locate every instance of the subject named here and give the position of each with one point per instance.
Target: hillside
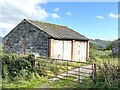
(1, 43)
(100, 43)
(1, 39)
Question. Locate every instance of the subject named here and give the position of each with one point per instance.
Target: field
(18, 71)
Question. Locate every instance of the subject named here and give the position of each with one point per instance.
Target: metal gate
(66, 69)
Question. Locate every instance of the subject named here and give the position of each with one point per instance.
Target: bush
(107, 77)
(40, 68)
(16, 67)
(21, 67)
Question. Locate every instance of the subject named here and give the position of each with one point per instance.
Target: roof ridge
(46, 23)
(54, 24)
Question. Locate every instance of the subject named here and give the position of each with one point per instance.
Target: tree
(109, 46)
(94, 46)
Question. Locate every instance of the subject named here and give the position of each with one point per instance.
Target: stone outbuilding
(46, 39)
(116, 47)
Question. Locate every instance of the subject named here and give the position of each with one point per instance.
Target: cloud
(99, 17)
(56, 9)
(69, 13)
(12, 12)
(55, 16)
(113, 15)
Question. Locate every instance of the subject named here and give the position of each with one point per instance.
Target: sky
(95, 20)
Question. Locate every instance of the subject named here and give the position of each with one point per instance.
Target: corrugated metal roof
(58, 31)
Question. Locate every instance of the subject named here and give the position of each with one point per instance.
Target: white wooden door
(83, 51)
(58, 49)
(80, 51)
(67, 48)
(77, 51)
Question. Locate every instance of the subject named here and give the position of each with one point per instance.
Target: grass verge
(33, 83)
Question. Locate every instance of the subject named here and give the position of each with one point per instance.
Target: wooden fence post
(56, 68)
(67, 68)
(94, 71)
(79, 73)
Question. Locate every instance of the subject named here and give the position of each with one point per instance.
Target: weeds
(107, 76)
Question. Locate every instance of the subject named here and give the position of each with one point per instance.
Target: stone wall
(115, 47)
(35, 40)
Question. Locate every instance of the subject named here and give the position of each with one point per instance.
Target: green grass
(43, 82)
(105, 58)
(33, 83)
(101, 57)
(86, 83)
